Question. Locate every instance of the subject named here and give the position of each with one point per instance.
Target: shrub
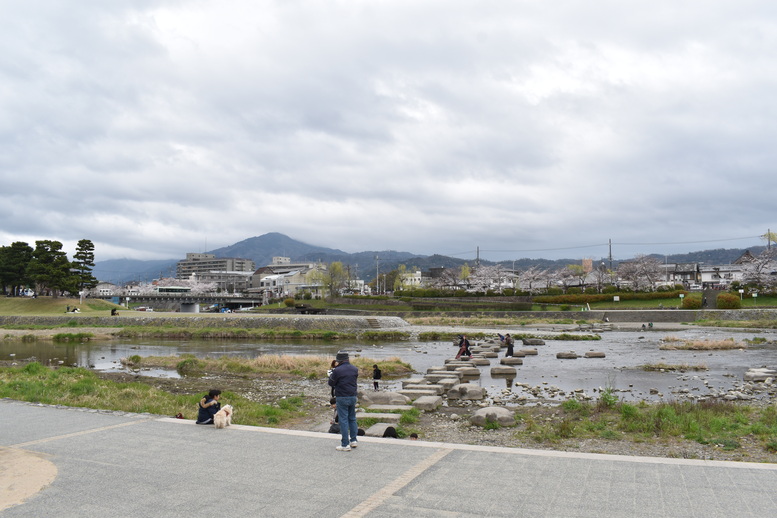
(189, 365)
(728, 301)
(692, 301)
(288, 302)
(35, 369)
(607, 399)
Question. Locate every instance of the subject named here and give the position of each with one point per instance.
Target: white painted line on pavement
(76, 434)
(398, 483)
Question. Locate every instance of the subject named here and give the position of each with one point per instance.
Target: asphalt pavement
(64, 462)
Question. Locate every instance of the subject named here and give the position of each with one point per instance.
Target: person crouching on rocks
(509, 342)
(208, 406)
(463, 347)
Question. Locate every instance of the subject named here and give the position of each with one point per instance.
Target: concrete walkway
(74, 462)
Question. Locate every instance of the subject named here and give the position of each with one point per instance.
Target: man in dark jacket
(344, 381)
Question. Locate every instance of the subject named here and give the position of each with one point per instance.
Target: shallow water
(625, 352)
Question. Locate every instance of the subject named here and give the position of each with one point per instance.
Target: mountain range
(363, 265)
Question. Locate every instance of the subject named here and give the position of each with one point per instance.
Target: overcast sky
(525, 128)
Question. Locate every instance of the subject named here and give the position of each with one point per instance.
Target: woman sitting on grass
(208, 406)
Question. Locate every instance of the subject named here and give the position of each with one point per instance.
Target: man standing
(343, 380)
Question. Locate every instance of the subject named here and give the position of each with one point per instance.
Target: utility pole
(377, 275)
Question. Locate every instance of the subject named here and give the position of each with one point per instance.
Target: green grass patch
(79, 387)
(719, 424)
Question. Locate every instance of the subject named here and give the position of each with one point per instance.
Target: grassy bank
(47, 306)
(79, 387)
(721, 424)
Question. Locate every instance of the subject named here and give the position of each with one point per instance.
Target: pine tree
(83, 262)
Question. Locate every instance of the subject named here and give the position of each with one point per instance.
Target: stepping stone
(413, 381)
(511, 361)
(481, 361)
(440, 376)
(415, 394)
(390, 408)
(448, 383)
(392, 418)
(570, 355)
(469, 372)
(437, 389)
(503, 370)
(428, 403)
(594, 354)
(528, 352)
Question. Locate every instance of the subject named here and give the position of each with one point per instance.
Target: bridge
(186, 302)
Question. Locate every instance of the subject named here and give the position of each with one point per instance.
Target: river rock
(493, 414)
(759, 374)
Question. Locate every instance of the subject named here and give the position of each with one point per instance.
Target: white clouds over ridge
(433, 127)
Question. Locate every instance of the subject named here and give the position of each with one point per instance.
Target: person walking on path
(509, 342)
(344, 381)
(376, 376)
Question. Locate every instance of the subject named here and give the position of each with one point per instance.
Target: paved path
(81, 463)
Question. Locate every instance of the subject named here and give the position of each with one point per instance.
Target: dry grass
(300, 365)
(673, 344)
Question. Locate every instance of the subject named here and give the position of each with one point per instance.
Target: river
(625, 351)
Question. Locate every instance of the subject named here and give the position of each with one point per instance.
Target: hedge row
(583, 298)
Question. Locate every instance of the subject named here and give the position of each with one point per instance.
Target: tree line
(46, 268)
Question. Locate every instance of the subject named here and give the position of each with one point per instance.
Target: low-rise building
(282, 278)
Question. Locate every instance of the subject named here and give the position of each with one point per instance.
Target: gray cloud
(160, 127)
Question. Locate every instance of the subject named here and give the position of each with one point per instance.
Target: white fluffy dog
(223, 417)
